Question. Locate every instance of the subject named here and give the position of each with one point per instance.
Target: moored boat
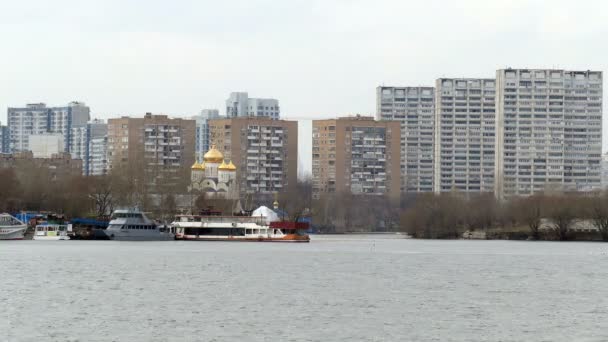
(133, 225)
(214, 227)
(11, 228)
(51, 232)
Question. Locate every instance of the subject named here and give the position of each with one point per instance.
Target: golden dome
(231, 167)
(223, 167)
(213, 155)
(198, 166)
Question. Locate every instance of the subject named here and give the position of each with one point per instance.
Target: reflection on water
(337, 288)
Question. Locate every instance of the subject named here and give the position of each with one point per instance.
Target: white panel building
(202, 142)
(46, 145)
(464, 132)
(239, 104)
(414, 108)
(549, 131)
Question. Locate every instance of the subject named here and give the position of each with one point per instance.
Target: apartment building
(97, 161)
(4, 139)
(81, 138)
(160, 146)
(356, 155)
(37, 118)
(465, 134)
(202, 144)
(414, 108)
(549, 131)
(239, 104)
(265, 151)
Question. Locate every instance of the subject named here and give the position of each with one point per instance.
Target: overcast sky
(319, 58)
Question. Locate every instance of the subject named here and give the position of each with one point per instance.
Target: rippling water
(339, 288)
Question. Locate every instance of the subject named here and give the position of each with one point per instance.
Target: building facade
(241, 105)
(59, 166)
(37, 118)
(97, 161)
(46, 145)
(202, 144)
(265, 151)
(465, 134)
(156, 147)
(549, 131)
(414, 108)
(356, 155)
(4, 139)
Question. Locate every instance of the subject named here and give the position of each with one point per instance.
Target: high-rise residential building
(202, 131)
(4, 139)
(241, 105)
(37, 118)
(161, 147)
(46, 145)
(604, 168)
(81, 138)
(549, 130)
(265, 151)
(356, 155)
(464, 134)
(414, 108)
(98, 156)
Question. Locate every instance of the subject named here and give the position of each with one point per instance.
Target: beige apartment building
(162, 147)
(357, 155)
(264, 150)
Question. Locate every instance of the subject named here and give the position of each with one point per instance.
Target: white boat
(133, 225)
(51, 232)
(11, 228)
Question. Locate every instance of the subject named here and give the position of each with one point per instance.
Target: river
(337, 288)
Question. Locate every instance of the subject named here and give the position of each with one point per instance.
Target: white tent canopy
(268, 214)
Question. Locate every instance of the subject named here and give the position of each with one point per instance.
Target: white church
(214, 176)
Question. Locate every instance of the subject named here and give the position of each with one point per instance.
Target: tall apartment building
(604, 170)
(81, 138)
(241, 105)
(4, 139)
(414, 108)
(464, 132)
(160, 146)
(357, 155)
(549, 131)
(97, 162)
(37, 118)
(202, 144)
(264, 150)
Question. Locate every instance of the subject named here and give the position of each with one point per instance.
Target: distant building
(356, 155)
(98, 156)
(81, 141)
(465, 123)
(549, 131)
(265, 151)
(46, 145)
(604, 168)
(59, 165)
(37, 118)
(4, 139)
(414, 108)
(214, 176)
(241, 105)
(160, 147)
(202, 144)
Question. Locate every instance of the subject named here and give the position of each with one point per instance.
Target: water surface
(337, 288)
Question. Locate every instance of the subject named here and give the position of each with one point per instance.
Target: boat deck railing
(222, 219)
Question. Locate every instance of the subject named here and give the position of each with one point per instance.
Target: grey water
(336, 288)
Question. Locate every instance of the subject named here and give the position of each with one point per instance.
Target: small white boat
(11, 228)
(51, 232)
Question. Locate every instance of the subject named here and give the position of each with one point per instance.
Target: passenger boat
(11, 228)
(51, 232)
(133, 225)
(212, 226)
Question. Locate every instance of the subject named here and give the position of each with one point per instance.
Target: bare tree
(599, 214)
(562, 215)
